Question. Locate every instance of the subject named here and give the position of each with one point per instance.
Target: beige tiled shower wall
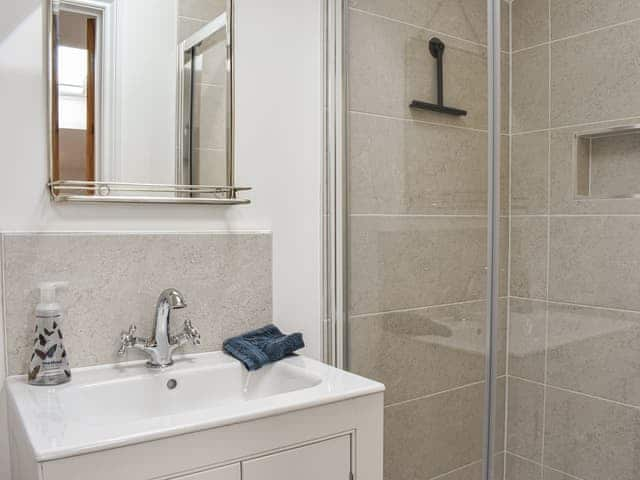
(210, 107)
(574, 325)
(114, 280)
(418, 237)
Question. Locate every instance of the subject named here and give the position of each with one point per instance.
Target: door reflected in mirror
(141, 97)
(74, 69)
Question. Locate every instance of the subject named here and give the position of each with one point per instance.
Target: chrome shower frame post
(335, 207)
(493, 230)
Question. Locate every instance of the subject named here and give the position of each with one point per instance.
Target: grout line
(442, 475)
(596, 122)
(595, 30)
(590, 166)
(574, 215)
(577, 35)
(531, 47)
(561, 472)
(594, 307)
(417, 215)
(530, 132)
(520, 457)
(506, 424)
(413, 120)
(575, 392)
(528, 380)
(548, 252)
(525, 459)
(531, 299)
(594, 397)
(208, 84)
(437, 215)
(436, 32)
(416, 309)
(509, 232)
(578, 305)
(192, 19)
(209, 149)
(560, 215)
(608, 135)
(432, 395)
(633, 118)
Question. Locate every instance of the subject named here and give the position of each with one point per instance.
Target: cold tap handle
(191, 333)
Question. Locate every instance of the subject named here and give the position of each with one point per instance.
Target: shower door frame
(335, 184)
(494, 109)
(336, 201)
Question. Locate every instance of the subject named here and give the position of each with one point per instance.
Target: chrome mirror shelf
(118, 192)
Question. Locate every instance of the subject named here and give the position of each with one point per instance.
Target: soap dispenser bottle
(49, 364)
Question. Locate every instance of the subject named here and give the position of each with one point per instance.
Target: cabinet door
(230, 472)
(328, 460)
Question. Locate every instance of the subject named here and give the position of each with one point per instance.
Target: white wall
(146, 71)
(278, 145)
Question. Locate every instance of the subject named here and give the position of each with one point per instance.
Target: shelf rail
(126, 192)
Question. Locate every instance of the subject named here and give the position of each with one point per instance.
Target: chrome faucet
(161, 345)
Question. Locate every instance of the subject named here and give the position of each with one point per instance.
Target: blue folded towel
(264, 345)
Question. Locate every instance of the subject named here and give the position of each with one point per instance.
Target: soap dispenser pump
(49, 364)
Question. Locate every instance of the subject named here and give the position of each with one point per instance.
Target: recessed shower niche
(608, 162)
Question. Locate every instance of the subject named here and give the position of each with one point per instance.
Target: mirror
(141, 101)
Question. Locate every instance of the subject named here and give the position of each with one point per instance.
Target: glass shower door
(565, 334)
(419, 229)
(574, 331)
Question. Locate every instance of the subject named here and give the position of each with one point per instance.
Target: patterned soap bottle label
(49, 354)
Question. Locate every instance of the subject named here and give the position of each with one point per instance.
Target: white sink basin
(143, 394)
(116, 405)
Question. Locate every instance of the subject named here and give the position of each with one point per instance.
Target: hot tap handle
(127, 339)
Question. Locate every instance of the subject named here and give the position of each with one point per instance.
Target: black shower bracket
(436, 48)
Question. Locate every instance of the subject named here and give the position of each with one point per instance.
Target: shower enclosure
(483, 231)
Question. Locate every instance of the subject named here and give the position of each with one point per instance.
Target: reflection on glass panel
(205, 148)
(417, 241)
(209, 165)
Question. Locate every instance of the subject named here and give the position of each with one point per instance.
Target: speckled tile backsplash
(114, 280)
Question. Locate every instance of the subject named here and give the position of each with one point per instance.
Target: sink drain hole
(171, 384)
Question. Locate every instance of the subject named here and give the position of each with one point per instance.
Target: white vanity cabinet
(294, 446)
(325, 460)
(230, 472)
(328, 460)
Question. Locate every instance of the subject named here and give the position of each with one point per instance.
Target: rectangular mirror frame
(72, 190)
